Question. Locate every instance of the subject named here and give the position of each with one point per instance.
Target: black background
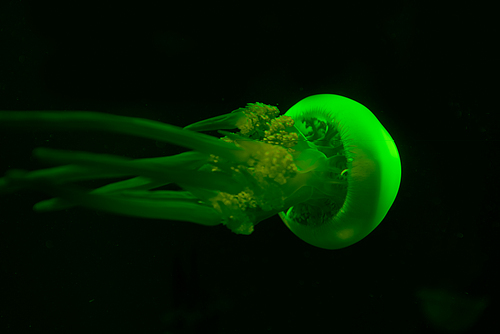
(426, 72)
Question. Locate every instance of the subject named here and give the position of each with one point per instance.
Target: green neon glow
(327, 167)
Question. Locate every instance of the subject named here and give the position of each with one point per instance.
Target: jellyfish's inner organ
(329, 178)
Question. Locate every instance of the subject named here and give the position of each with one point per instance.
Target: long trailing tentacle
(138, 167)
(78, 120)
(138, 183)
(74, 173)
(144, 204)
(138, 203)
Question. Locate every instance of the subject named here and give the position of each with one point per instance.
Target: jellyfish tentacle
(107, 162)
(120, 124)
(222, 122)
(60, 174)
(138, 183)
(138, 204)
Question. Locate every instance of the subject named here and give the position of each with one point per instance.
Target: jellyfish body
(327, 167)
(369, 160)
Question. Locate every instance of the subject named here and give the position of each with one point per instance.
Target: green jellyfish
(327, 167)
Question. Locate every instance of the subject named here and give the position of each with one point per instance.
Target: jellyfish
(327, 167)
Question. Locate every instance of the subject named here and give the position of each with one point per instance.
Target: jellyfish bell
(369, 161)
